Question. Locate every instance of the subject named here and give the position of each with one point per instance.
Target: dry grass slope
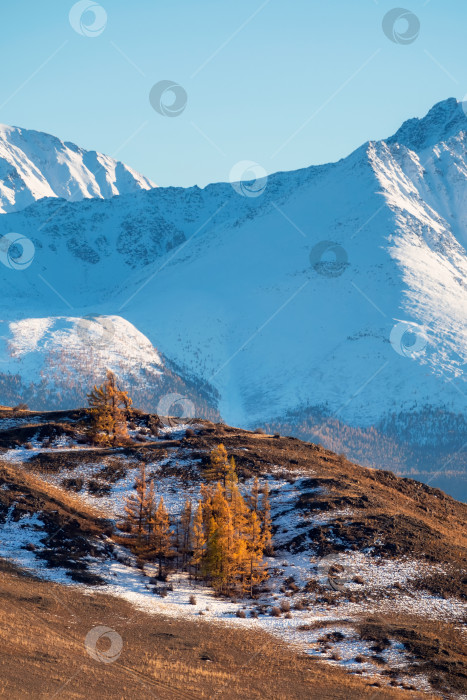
(42, 654)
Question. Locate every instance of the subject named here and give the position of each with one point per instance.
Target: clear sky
(284, 84)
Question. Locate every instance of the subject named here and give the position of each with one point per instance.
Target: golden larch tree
(185, 531)
(160, 540)
(108, 406)
(256, 569)
(219, 465)
(254, 496)
(266, 521)
(137, 511)
(198, 538)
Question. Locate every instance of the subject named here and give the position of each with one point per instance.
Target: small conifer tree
(137, 511)
(108, 405)
(266, 521)
(255, 492)
(185, 532)
(219, 465)
(198, 538)
(160, 541)
(254, 548)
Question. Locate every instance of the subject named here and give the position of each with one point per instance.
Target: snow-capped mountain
(339, 288)
(35, 165)
(55, 361)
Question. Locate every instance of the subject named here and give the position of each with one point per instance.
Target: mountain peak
(445, 119)
(34, 164)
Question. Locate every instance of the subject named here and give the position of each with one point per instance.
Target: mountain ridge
(35, 164)
(442, 121)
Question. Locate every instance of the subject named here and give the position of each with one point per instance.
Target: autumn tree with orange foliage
(220, 467)
(222, 541)
(160, 536)
(108, 406)
(146, 524)
(229, 534)
(137, 514)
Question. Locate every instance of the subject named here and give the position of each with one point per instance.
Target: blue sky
(284, 84)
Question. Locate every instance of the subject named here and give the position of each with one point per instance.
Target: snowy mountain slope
(35, 165)
(54, 360)
(234, 288)
(329, 341)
